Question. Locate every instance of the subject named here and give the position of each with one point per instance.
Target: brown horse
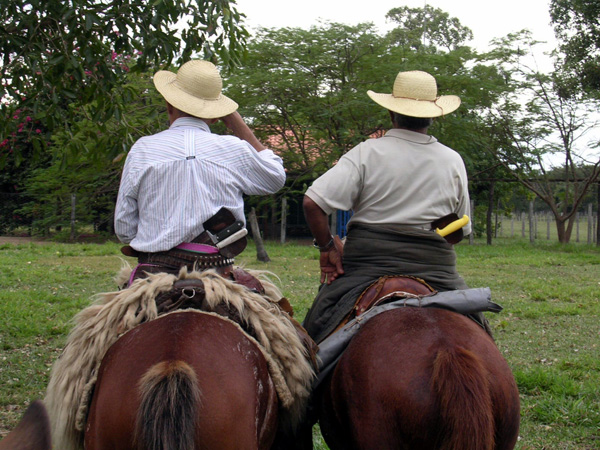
(420, 378)
(32, 432)
(183, 381)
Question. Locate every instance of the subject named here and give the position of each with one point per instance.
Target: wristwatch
(325, 247)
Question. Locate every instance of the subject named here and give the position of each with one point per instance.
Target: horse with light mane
(224, 367)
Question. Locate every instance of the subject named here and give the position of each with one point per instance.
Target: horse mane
(112, 314)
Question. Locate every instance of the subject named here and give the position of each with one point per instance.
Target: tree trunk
(261, 252)
(561, 230)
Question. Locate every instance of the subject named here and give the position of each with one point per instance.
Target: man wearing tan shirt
(396, 186)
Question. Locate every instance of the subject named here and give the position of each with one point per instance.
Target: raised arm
(236, 124)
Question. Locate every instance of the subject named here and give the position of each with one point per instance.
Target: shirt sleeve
(264, 174)
(126, 209)
(339, 187)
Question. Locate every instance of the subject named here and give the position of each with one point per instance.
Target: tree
(540, 135)
(59, 57)
(577, 28)
(305, 92)
(427, 27)
(94, 179)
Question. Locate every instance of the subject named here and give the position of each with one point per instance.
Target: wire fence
(543, 226)
(540, 225)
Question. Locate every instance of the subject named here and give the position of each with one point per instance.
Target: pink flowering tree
(39, 191)
(60, 58)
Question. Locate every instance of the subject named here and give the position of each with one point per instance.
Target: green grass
(548, 330)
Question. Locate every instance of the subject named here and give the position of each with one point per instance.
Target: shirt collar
(190, 122)
(412, 136)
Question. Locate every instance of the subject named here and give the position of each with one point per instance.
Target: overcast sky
(487, 19)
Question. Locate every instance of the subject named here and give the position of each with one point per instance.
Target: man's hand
(331, 262)
(236, 124)
(233, 120)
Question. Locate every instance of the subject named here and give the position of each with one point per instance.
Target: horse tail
(463, 393)
(169, 404)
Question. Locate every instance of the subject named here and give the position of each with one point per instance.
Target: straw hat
(415, 95)
(195, 89)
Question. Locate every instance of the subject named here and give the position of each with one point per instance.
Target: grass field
(549, 329)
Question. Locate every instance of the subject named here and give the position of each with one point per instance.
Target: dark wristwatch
(324, 248)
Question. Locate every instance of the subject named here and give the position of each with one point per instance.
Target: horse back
(231, 396)
(421, 378)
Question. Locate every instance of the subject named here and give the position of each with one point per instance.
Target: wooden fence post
(496, 221)
(531, 224)
(261, 252)
(598, 217)
(590, 224)
(283, 219)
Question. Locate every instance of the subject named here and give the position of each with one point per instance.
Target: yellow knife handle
(453, 226)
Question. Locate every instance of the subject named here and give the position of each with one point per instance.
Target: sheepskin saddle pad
(260, 311)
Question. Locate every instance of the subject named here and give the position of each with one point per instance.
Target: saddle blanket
(463, 301)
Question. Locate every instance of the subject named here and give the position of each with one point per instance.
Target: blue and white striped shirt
(175, 180)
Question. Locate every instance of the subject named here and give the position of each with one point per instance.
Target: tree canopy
(77, 92)
(59, 58)
(577, 27)
(542, 136)
(427, 27)
(305, 92)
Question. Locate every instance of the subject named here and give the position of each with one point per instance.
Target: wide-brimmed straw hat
(195, 89)
(415, 94)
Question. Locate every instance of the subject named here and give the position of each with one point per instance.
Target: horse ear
(32, 432)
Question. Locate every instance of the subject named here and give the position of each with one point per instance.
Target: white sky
(487, 19)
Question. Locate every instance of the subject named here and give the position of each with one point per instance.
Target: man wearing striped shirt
(176, 180)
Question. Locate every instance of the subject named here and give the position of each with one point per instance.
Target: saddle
(386, 289)
(223, 238)
(190, 293)
(392, 287)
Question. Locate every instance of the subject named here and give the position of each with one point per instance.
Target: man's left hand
(331, 262)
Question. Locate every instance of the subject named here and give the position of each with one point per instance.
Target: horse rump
(462, 388)
(169, 407)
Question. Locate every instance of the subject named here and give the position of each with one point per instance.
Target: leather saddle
(386, 289)
(190, 293)
(393, 287)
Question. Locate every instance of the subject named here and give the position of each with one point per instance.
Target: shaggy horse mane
(112, 314)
